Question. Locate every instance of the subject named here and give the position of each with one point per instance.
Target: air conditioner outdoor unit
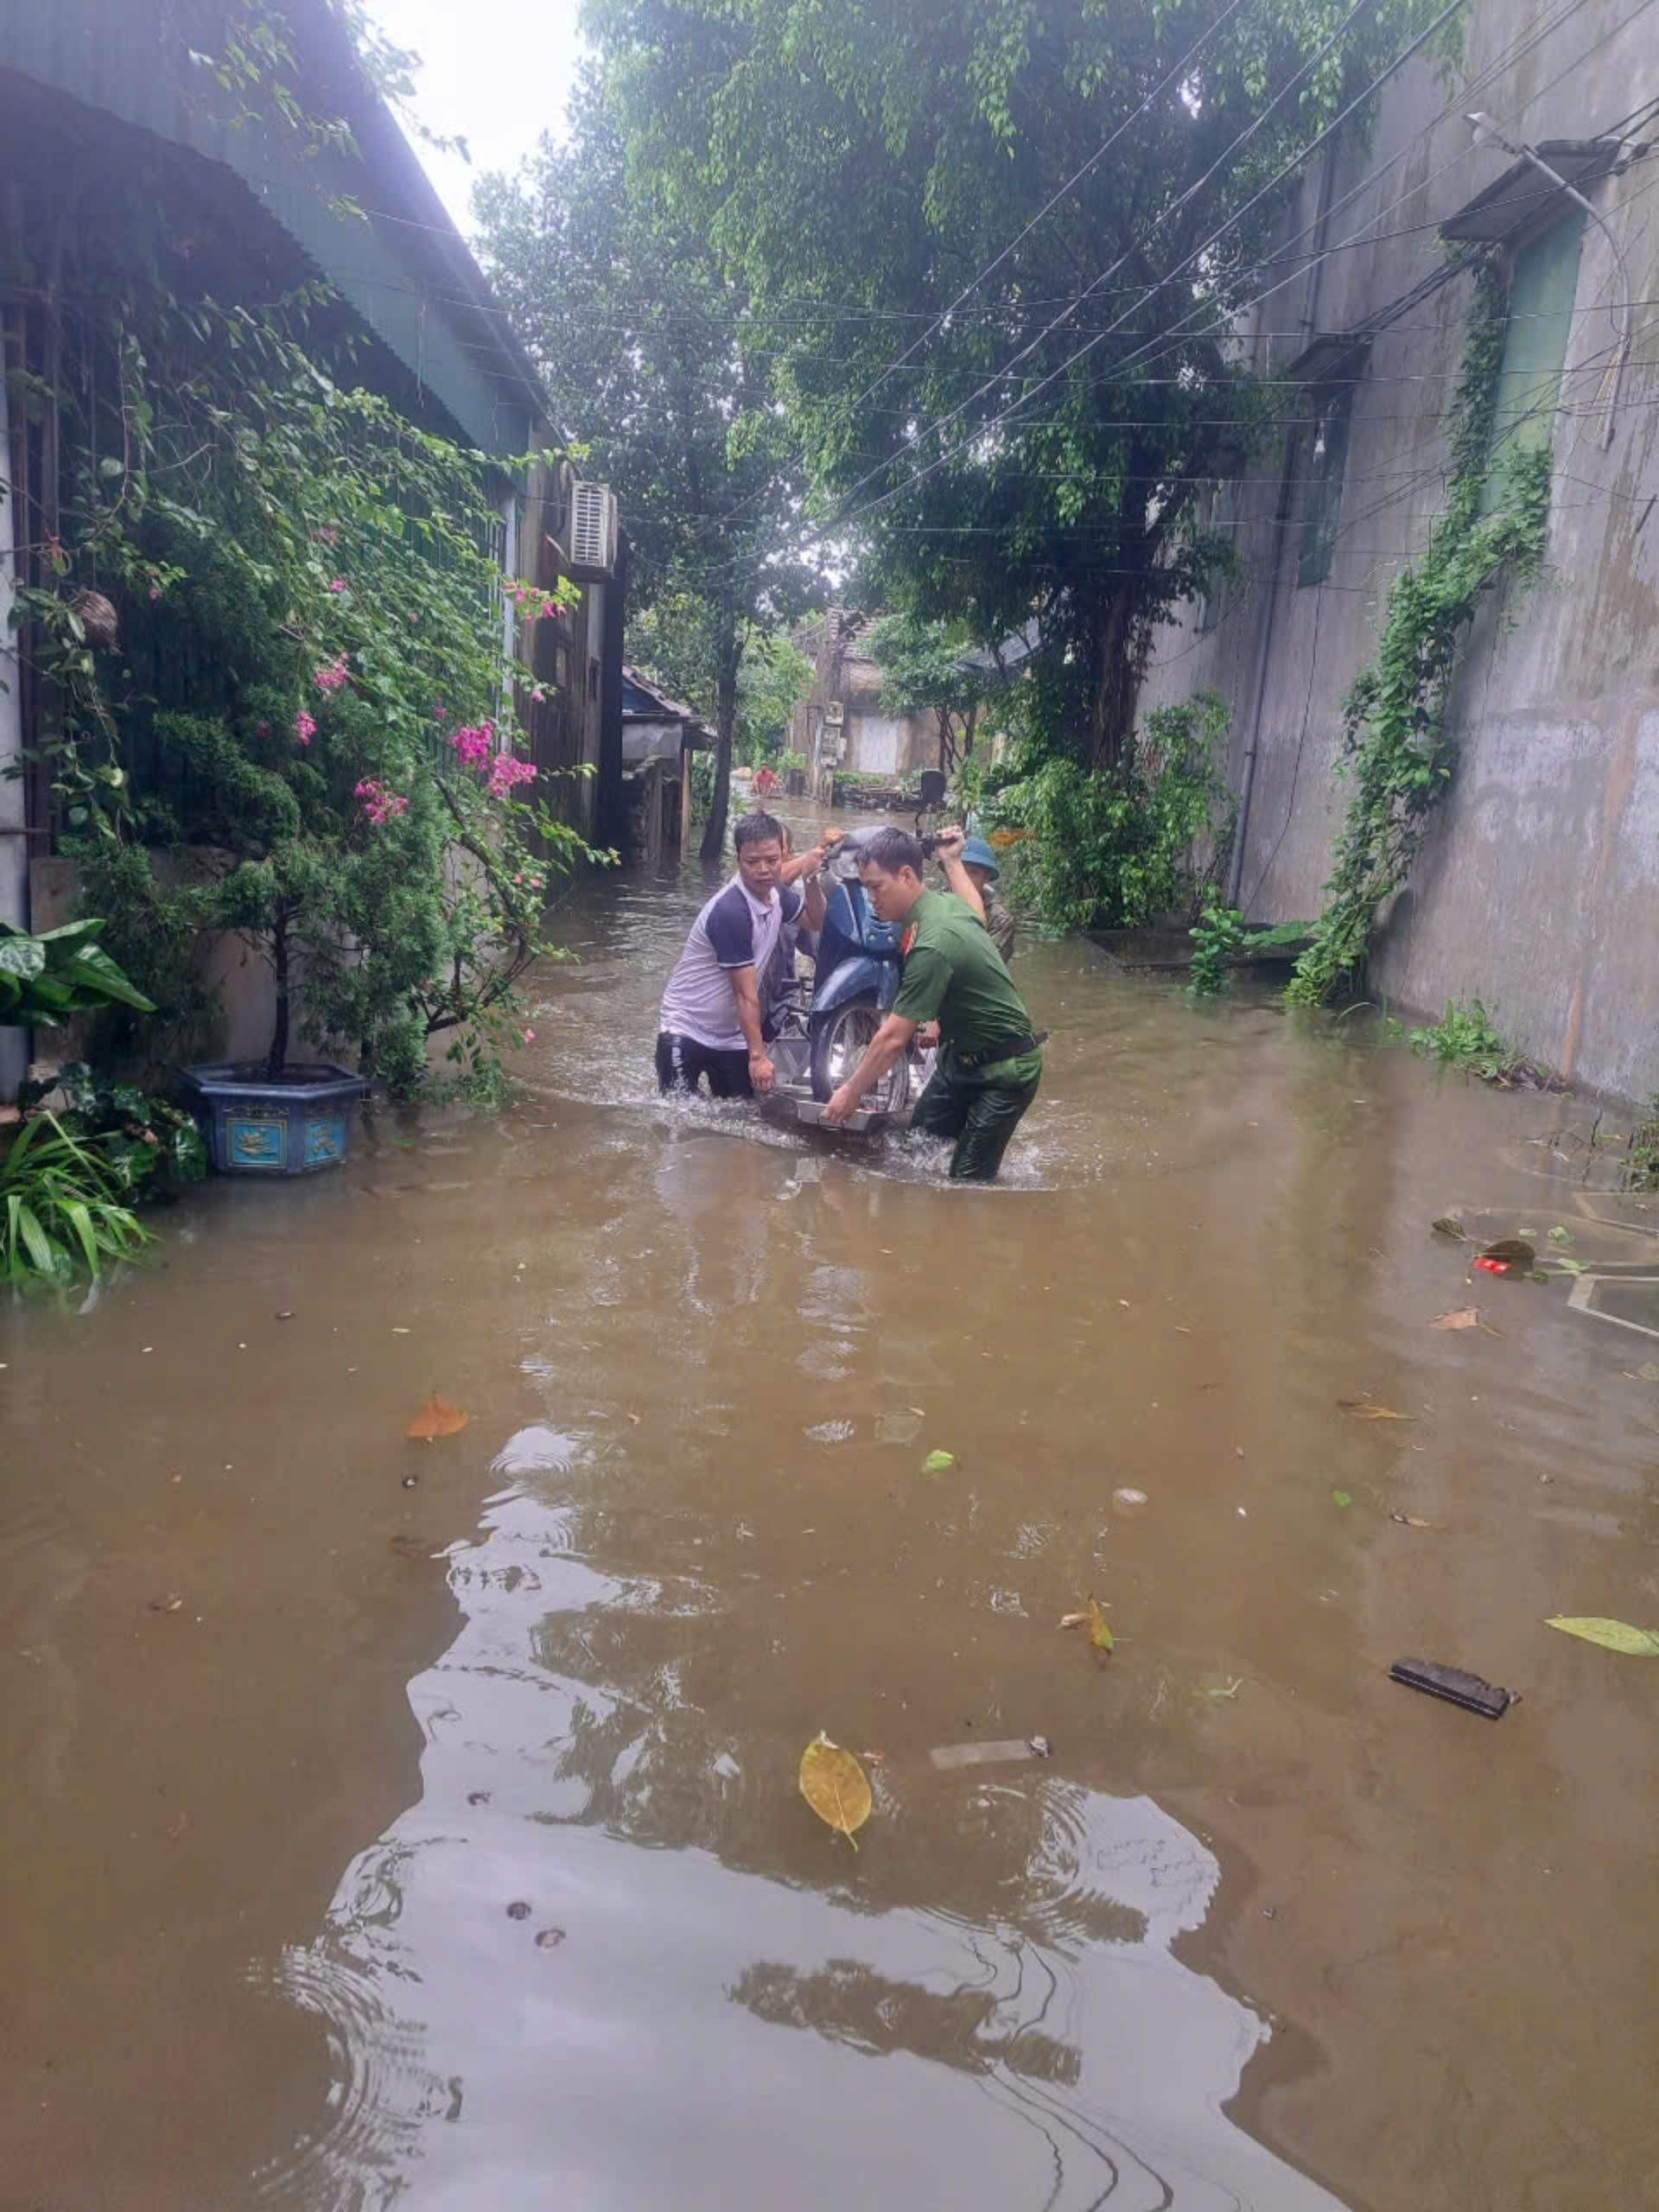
(590, 532)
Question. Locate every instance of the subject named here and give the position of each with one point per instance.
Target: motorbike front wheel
(840, 1042)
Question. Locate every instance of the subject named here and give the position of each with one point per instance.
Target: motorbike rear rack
(793, 1092)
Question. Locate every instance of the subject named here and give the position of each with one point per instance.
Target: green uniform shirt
(954, 976)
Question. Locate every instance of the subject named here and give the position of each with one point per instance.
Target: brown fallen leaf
(1462, 1317)
(1363, 1409)
(437, 1417)
(835, 1786)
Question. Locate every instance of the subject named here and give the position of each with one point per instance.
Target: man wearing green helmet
(979, 865)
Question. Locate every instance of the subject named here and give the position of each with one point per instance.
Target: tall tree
(929, 668)
(657, 366)
(878, 155)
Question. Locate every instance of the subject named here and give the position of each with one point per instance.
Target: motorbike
(857, 968)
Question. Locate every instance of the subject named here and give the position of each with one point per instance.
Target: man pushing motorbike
(990, 1063)
(712, 1016)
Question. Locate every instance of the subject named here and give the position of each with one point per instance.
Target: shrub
(1117, 849)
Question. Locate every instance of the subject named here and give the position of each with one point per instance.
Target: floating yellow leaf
(1617, 1636)
(836, 1786)
(437, 1417)
(1099, 1635)
(1363, 1409)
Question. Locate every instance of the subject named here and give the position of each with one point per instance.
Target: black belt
(1009, 1049)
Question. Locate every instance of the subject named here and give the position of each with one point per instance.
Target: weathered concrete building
(840, 725)
(1537, 885)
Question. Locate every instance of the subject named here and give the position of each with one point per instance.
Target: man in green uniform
(990, 1063)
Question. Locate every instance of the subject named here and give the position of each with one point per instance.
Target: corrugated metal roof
(407, 271)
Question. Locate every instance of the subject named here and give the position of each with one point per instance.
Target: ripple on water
(382, 2092)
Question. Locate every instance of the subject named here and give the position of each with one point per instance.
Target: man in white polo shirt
(710, 1022)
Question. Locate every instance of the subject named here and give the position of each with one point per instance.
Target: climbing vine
(272, 632)
(1396, 750)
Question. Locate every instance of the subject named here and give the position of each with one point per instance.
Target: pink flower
(472, 746)
(530, 1036)
(507, 772)
(304, 728)
(379, 804)
(538, 695)
(550, 608)
(332, 676)
(339, 584)
(155, 591)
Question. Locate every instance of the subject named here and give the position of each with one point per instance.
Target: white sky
(496, 73)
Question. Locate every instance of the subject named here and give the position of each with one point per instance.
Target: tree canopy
(658, 367)
(935, 211)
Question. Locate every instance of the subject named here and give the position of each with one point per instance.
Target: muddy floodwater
(415, 1824)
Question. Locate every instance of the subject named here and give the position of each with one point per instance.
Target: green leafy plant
(63, 1207)
(1217, 933)
(1464, 1038)
(1396, 750)
(311, 614)
(46, 979)
(1642, 1165)
(1118, 849)
(791, 763)
(154, 1146)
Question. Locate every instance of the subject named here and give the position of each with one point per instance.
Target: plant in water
(1396, 750)
(1217, 933)
(62, 1205)
(154, 1146)
(1115, 849)
(1464, 1038)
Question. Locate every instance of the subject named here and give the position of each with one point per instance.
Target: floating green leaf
(1560, 1236)
(936, 1462)
(1616, 1636)
(1341, 1498)
(1448, 1226)
(1099, 1635)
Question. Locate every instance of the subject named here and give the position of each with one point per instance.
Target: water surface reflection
(564, 1976)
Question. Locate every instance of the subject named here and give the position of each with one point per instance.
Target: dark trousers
(682, 1060)
(980, 1111)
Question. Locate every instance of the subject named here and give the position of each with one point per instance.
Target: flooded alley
(392, 1822)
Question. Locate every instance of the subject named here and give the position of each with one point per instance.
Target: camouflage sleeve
(999, 923)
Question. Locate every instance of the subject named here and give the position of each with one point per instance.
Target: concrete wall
(1537, 888)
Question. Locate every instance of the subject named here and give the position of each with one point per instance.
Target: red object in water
(1494, 1267)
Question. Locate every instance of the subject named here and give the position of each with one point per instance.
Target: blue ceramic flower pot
(295, 1125)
